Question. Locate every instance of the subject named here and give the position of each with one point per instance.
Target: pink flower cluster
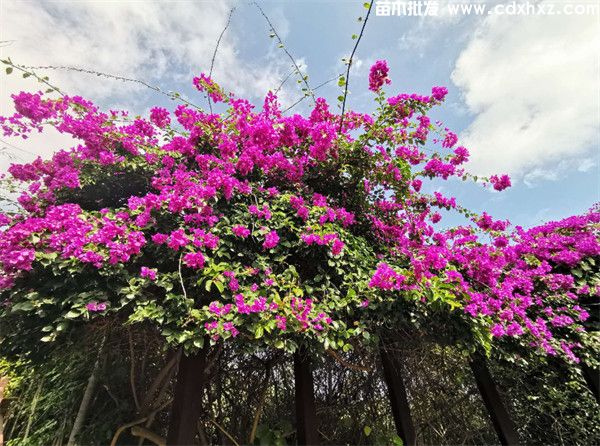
(223, 173)
(271, 240)
(500, 182)
(337, 246)
(95, 306)
(386, 278)
(378, 75)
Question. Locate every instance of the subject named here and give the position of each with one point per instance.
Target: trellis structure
(191, 378)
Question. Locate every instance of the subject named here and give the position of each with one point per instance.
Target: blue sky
(524, 90)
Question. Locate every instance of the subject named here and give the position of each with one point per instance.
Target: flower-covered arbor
(299, 233)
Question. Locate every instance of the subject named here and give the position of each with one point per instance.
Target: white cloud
(416, 40)
(532, 82)
(164, 43)
(558, 170)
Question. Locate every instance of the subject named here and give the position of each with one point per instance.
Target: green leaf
(367, 5)
(258, 333)
(22, 306)
(9, 70)
(397, 441)
(62, 326)
(72, 314)
(367, 430)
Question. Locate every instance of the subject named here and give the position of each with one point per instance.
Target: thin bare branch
(362, 30)
(227, 434)
(303, 77)
(12, 146)
(284, 80)
(212, 62)
(170, 94)
(181, 277)
(345, 363)
(322, 84)
(132, 370)
(122, 428)
(147, 434)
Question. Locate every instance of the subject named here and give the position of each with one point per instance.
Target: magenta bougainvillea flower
(257, 225)
(378, 75)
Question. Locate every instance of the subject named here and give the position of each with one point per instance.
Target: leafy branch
(27, 72)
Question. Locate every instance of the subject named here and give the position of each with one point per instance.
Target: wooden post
(500, 418)
(306, 414)
(592, 378)
(187, 404)
(392, 372)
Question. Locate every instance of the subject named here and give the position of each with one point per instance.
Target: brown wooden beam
(392, 372)
(306, 414)
(501, 420)
(187, 404)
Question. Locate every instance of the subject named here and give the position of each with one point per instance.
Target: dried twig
(125, 426)
(347, 364)
(181, 277)
(227, 434)
(122, 428)
(147, 434)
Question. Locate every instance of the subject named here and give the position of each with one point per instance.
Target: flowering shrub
(264, 228)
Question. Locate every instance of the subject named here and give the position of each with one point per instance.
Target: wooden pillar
(501, 420)
(592, 378)
(392, 371)
(306, 414)
(187, 404)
